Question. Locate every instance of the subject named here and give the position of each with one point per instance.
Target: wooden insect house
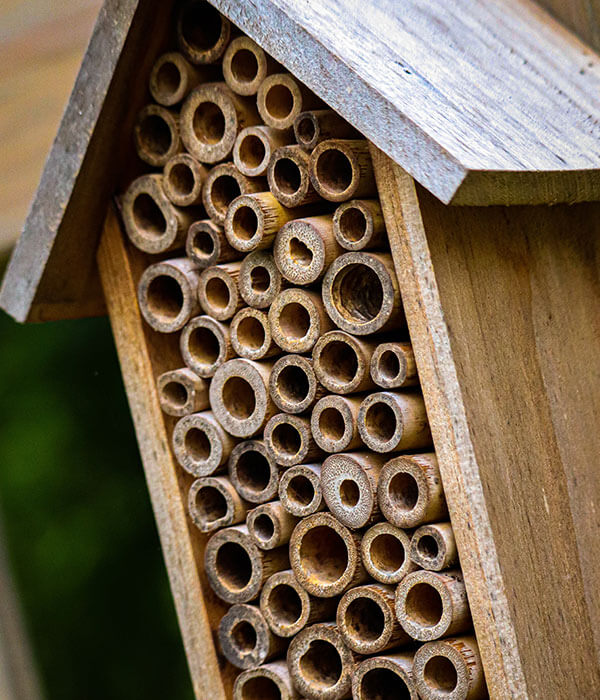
(350, 256)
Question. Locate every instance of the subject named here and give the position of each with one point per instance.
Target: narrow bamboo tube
(214, 503)
(254, 147)
(240, 398)
(202, 32)
(300, 490)
(360, 293)
(410, 491)
(433, 547)
(394, 420)
(430, 604)
(293, 385)
(385, 553)
(156, 135)
(236, 568)
(325, 556)
(289, 178)
(270, 525)
(173, 77)
(304, 249)
(333, 423)
(289, 440)
(288, 608)
(366, 619)
(181, 391)
(450, 669)
(218, 292)
(341, 362)
(320, 664)
(385, 677)
(310, 128)
(298, 319)
(252, 471)
(245, 637)
(393, 366)
(251, 335)
(359, 225)
(246, 65)
(167, 294)
(200, 444)
(206, 244)
(341, 169)
(223, 184)
(260, 281)
(183, 179)
(205, 345)
(281, 98)
(267, 682)
(349, 483)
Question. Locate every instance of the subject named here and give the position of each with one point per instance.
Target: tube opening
(263, 527)
(243, 637)
(244, 66)
(204, 346)
(334, 170)
(234, 566)
(209, 123)
(364, 619)
(339, 361)
(389, 365)
(253, 471)
(197, 444)
(287, 176)
(300, 253)
(424, 605)
(306, 130)
(239, 398)
(168, 78)
(223, 190)
(285, 604)
(324, 554)
(251, 333)
(353, 224)
(357, 293)
(201, 26)
(155, 135)
(294, 321)
(440, 674)
(260, 688)
(148, 216)
(428, 547)
(245, 223)
(210, 504)
(286, 439)
(403, 491)
(383, 684)
(165, 297)
(293, 384)
(300, 491)
(321, 664)
(332, 424)
(260, 279)
(175, 394)
(252, 151)
(203, 244)
(279, 101)
(217, 293)
(380, 421)
(182, 179)
(387, 553)
(349, 493)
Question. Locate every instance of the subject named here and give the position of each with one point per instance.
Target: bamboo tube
(223, 184)
(200, 444)
(206, 244)
(236, 568)
(430, 605)
(281, 98)
(393, 366)
(349, 483)
(367, 620)
(320, 664)
(304, 249)
(239, 396)
(157, 135)
(260, 281)
(253, 473)
(173, 77)
(293, 385)
(246, 65)
(341, 362)
(289, 178)
(359, 225)
(202, 32)
(333, 423)
(270, 525)
(450, 669)
(433, 547)
(300, 490)
(410, 491)
(310, 128)
(254, 147)
(361, 295)
(288, 608)
(251, 335)
(204, 345)
(341, 169)
(325, 556)
(385, 677)
(385, 553)
(270, 681)
(214, 503)
(167, 294)
(218, 290)
(183, 179)
(394, 420)
(289, 440)
(298, 319)
(181, 392)
(245, 637)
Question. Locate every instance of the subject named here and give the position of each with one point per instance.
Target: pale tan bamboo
(385, 552)
(218, 292)
(156, 135)
(202, 32)
(281, 98)
(205, 345)
(183, 178)
(245, 637)
(253, 472)
(214, 503)
(289, 178)
(341, 169)
(293, 385)
(246, 65)
(300, 489)
(207, 245)
(223, 184)
(181, 391)
(389, 676)
(393, 366)
(271, 680)
(341, 362)
(359, 225)
(433, 547)
(260, 281)
(333, 423)
(254, 147)
(251, 335)
(200, 444)
(298, 319)
(312, 127)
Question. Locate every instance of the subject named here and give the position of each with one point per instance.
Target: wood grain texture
(580, 16)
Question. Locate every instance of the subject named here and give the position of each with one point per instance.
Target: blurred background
(85, 607)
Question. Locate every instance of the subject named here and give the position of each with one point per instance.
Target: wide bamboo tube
(205, 345)
(260, 281)
(393, 366)
(289, 178)
(386, 553)
(359, 225)
(156, 135)
(223, 184)
(270, 525)
(251, 335)
(312, 127)
(202, 32)
(254, 147)
(385, 677)
(200, 444)
(341, 169)
(181, 391)
(293, 385)
(265, 682)
(333, 423)
(173, 77)
(245, 637)
(341, 362)
(253, 472)
(433, 547)
(214, 503)
(300, 490)
(218, 292)
(207, 245)
(246, 65)
(289, 440)
(281, 98)
(183, 179)
(430, 605)
(298, 319)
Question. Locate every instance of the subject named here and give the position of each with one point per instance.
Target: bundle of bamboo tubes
(297, 403)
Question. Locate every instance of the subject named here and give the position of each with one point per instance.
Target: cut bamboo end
(410, 491)
(269, 682)
(385, 553)
(312, 127)
(204, 345)
(181, 391)
(289, 178)
(385, 678)
(246, 65)
(281, 98)
(359, 225)
(245, 637)
(393, 366)
(223, 184)
(156, 135)
(361, 295)
(325, 556)
(253, 473)
(293, 385)
(392, 421)
(300, 490)
(367, 621)
(304, 249)
(214, 503)
(239, 396)
(202, 32)
(173, 78)
(298, 319)
(333, 423)
(349, 483)
(218, 291)
(236, 568)
(270, 525)
(251, 335)
(341, 169)
(183, 179)
(254, 147)
(260, 281)
(450, 669)
(289, 440)
(320, 664)
(341, 362)
(167, 294)
(200, 444)
(207, 245)
(433, 547)
(430, 605)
